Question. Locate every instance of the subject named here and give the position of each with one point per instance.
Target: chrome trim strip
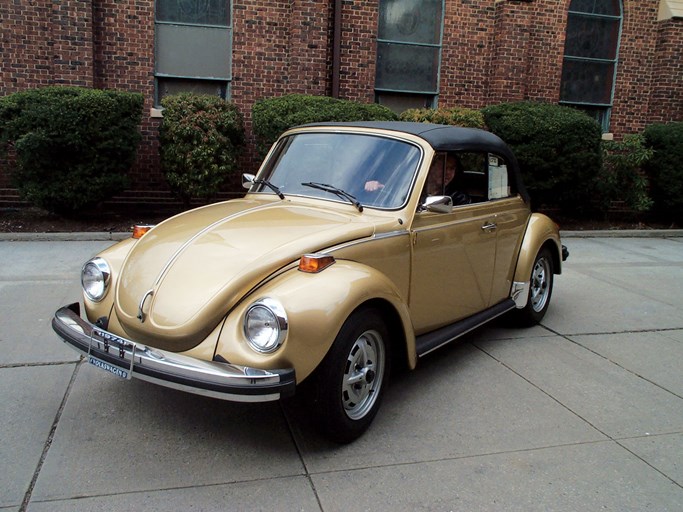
(208, 378)
(520, 293)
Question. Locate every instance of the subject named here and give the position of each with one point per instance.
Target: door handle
(489, 227)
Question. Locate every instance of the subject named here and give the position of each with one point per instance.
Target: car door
(452, 258)
(510, 216)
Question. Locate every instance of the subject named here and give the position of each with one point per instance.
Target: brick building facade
(489, 51)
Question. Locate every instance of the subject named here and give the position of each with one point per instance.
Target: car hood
(189, 271)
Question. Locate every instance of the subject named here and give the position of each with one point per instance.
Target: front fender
(316, 305)
(540, 232)
(114, 256)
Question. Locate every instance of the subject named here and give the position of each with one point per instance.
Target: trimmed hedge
(456, 116)
(621, 178)
(558, 149)
(274, 116)
(664, 169)
(201, 137)
(73, 146)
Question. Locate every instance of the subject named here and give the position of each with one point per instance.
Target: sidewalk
(581, 413)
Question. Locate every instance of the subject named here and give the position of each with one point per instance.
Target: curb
(624, 233)
(95, 236)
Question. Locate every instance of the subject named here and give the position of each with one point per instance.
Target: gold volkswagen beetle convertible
(358, 246)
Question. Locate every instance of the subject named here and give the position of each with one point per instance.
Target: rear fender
(540, 232)
(317, 305)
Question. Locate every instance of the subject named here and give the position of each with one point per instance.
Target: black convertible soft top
(448, 138)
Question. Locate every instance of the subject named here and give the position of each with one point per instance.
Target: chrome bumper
(127, 359)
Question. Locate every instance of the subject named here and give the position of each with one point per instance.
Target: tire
(540, 290)
(352, 377)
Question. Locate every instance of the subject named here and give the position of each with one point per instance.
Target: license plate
(119, 348)
(104, 365)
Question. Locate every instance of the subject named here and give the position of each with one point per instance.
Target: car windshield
(377, 171)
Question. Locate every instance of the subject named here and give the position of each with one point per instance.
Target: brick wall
(666, 99)
(635, 67)
(45, 42)
(123, 35)
(358, 50)
(468, 35)
(493, 51)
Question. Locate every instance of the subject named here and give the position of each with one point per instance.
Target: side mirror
(438, 204)
(247, 180)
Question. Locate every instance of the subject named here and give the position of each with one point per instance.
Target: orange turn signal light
(314, 263)
(140, 230)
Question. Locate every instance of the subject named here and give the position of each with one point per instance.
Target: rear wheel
(540, 290)
(352, 377)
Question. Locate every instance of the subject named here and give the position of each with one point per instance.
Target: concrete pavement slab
(664, 453)
(510, 416)
(119, 436)
(31, 400)
(652, 355)
(587, 302)
(26, 311)
(617, 285)
(457, 403)
(584, 477)
(26, 261)
(619, 251)
(656, 249)
(676, 335)
(616, 401)
(287, 493)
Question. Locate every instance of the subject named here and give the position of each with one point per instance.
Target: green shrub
(456, 116)
(621, 178)
(665, 169)
(200, 137)
(73, 145)
(558, 149)
(274, 116)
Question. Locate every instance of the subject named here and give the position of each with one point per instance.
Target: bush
(201, 137)
(456, 116)
(73, 145)
(558, 149)
(274, 116)
(665, 170)
(621, 178)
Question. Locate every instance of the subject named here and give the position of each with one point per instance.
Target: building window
(193, 47)
(590, 57)
(408, 53)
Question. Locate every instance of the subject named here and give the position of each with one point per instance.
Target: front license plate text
(114, 370)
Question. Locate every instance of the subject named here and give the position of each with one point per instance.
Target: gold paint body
(205, 267)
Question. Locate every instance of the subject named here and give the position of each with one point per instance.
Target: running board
(429, 342)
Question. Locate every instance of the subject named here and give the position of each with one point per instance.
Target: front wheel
(540, 290)
(352, 377)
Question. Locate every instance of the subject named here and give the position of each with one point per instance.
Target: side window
(498, 180)
(469, 177)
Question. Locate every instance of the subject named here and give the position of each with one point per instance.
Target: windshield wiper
(271, 187)
(337, 191)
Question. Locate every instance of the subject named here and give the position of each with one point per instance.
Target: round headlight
(265, 325)
(95, 278)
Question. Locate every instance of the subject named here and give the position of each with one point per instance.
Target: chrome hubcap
(540, 284)
(363, 374)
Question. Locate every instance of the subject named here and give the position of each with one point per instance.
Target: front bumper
(127, 359)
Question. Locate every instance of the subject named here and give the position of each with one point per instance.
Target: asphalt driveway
(582, 413)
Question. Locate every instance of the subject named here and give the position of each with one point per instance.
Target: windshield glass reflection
(377, 171)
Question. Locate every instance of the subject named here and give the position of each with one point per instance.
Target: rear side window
(484, 177)
(469, 177)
